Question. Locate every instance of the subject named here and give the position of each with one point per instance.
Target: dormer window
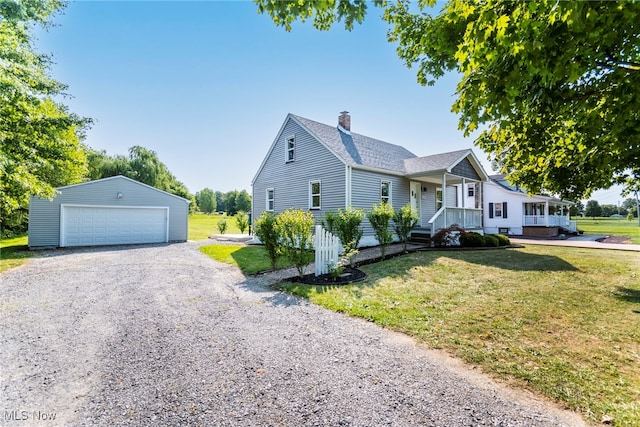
(291, 148)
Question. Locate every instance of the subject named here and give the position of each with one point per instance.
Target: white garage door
(105, 225)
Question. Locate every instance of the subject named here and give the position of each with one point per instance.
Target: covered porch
(446, 189)
(447, 199)
(548, 213)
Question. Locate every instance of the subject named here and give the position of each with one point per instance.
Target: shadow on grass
(253, 259)
(14, 252)
(513, 260)
(627, 294)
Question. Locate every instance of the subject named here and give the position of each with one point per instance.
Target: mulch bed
(349, 275)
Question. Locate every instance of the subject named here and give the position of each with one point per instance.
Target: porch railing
(550, 221)
(464, 217)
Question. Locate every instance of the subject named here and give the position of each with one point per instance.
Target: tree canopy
(143, 165)
(552, 86)
(40, 139)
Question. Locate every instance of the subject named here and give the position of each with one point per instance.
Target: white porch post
(464, 196)
(546, 213)
(444, 198)
(444, 190)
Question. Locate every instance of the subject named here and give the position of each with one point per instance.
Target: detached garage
(109, 211)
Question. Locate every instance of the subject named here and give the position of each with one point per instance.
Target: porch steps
(420, 235)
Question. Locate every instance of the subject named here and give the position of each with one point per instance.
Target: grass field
(13, 252)
(611, 226)
(202, 226)
(562, 322)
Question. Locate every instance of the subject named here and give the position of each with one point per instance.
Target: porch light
(119, 195)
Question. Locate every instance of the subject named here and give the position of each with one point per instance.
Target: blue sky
(207, 85)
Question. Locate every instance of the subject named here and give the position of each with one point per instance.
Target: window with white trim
(497, 210)
(438, 198)
(471, 190)
(385, 191)
(291, 149)
(315, 188)
(270, 196)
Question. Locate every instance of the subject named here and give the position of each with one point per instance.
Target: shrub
(471, 240)
(346, 225)
(295, 229)
(448, 236)
(491, 240)
(242, 221)
(380, 216)
(404, 220)
(222, 225)
(503, 240)
(265, 230)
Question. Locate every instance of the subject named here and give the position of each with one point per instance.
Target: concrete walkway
(583, 241)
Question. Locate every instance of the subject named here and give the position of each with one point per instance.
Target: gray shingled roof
(355, 149)
(437, 162)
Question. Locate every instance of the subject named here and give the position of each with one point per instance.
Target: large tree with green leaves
(552, 86)
(40, 139)
(143, 165)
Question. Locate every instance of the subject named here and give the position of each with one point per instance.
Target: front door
(415, 199)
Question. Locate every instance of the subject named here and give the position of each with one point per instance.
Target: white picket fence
(327, 248)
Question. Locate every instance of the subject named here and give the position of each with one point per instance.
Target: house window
(438, 198)
(270, 200)
(291, 148)
(471, 190)
(385, 192)
(314, 194)
(498, 210)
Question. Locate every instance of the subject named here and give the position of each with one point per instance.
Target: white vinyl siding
(315, 192)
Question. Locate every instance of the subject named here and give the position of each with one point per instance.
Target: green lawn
(611, 227)
(251, 259)
(563, 322)
(202, 226)
(13, 252)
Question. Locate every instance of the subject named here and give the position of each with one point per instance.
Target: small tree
(593, 209)
(404, 220)
(265, 229)
(295, 229)
(380, 217)
(345, 223)
(222, 225)
(242, 221)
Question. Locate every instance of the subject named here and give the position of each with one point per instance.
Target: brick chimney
(344, 121)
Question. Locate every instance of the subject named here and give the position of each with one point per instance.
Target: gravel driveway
(162, 335)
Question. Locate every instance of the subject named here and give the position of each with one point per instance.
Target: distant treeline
(232, 202)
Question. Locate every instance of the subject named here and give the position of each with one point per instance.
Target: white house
(509, 210)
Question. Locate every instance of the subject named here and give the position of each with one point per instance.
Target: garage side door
(103, 225)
